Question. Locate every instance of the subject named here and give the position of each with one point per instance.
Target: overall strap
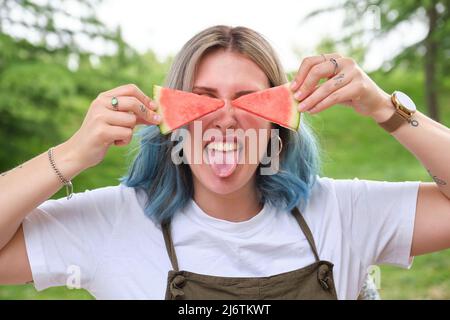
(304, 226)
(169, 245)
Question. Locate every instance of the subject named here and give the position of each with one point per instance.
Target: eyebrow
(214, 90)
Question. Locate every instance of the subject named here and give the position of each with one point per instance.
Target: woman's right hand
(104, 126)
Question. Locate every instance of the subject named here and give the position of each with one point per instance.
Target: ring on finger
(115, 103)
(324, 58)
(336, 65)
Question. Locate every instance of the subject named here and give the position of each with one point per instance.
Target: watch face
(405, 101)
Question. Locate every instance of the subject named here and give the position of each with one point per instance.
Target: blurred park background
(48, 77)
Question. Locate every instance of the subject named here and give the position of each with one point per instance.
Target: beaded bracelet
(67, 183)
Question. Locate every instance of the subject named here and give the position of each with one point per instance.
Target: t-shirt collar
(251, 225)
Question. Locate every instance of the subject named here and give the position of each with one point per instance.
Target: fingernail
(293, 84)
(157, 117)
(152, 105)
(297, 95)
(301, 107)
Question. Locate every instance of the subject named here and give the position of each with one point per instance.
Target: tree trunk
(430, 63)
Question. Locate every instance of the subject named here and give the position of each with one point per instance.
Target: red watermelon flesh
(178, 108)
(276, 104)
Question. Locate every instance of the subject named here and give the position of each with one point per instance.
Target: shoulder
(342, 189)
(110, 194)
(355, 190)
(329, 199)
(359, 198)
(326, 187)
(120, 197)
(332, 183)
(106, 199)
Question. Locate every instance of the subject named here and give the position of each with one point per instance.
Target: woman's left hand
(347, 84)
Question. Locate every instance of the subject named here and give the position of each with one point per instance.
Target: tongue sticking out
(223, 163)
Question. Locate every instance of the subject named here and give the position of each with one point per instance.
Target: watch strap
(393, 123)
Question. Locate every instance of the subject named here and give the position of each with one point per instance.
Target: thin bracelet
(67, 183)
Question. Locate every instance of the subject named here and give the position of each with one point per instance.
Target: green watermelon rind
(163, 127)
(295, 121)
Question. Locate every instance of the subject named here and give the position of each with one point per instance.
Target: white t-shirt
(102, 239)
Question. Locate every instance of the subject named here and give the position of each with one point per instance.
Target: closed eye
(238, 95)
(208, 95)
(243, 93)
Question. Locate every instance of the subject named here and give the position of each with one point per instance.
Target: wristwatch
(404, 110)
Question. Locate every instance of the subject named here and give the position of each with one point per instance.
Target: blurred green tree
(378, 19)
(37, 38)
(47, 81)
(53, 24)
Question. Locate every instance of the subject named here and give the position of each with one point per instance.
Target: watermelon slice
(178, 108)
(276, 104)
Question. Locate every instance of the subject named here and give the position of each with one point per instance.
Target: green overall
(314, 281)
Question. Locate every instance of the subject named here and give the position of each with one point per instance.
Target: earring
(280, 143)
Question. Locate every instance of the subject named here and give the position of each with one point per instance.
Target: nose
(225, 117)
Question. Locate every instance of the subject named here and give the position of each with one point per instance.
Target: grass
(355, 147)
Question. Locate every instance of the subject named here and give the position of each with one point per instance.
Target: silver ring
(115, 103)
(336, 65)
(324, 58)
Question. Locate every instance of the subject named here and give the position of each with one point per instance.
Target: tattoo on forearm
(436, 179)
(338, 79)
(413, 122)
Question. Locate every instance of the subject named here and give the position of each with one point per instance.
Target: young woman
(208, 230)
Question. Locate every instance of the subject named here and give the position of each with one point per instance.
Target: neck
(237, 206)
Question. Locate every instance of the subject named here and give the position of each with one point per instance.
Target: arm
(28, 185)
(19, 197)
(429, 142)
(25, 187)
(14, 265)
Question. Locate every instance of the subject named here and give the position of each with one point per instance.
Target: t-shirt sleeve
(379, 217)
(65, 238)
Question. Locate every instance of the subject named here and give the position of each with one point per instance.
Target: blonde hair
(238, 39)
